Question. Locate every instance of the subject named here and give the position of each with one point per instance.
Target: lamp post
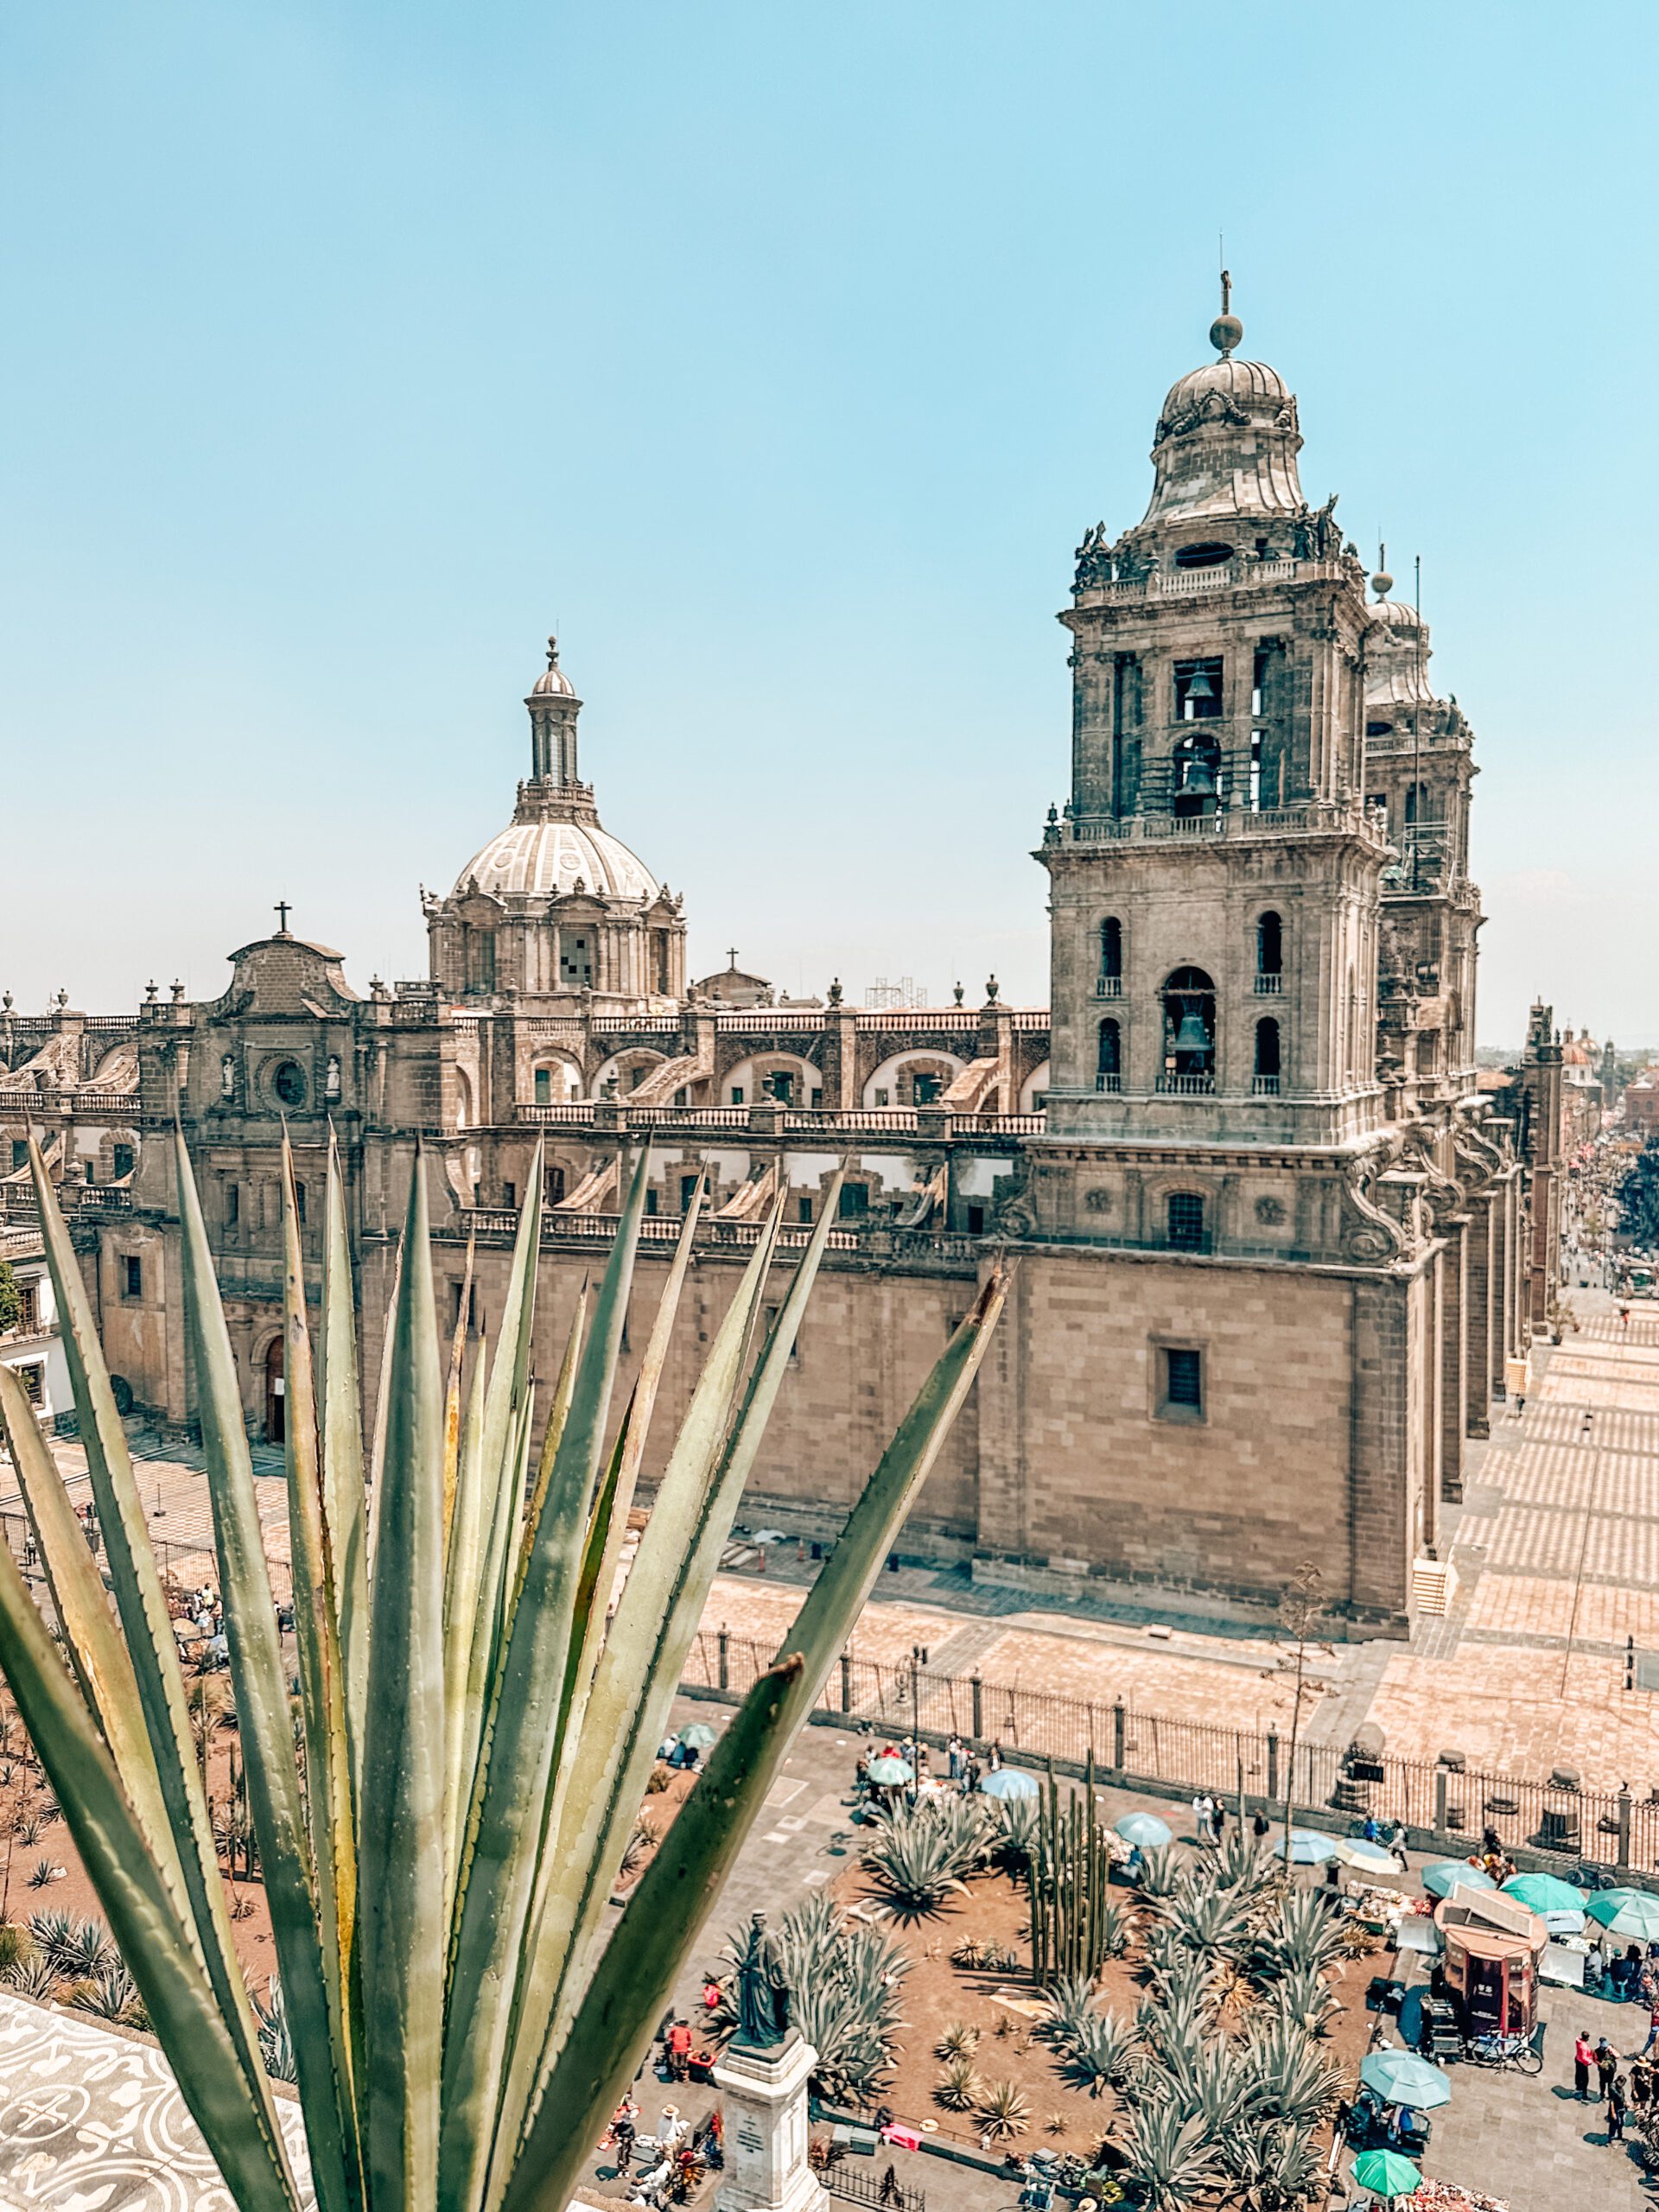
(918, 1661)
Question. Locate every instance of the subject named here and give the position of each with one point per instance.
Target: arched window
(1109, 1067)
(1195, 777)
(1266, 1059)
(1111, 957)
(1184, 1220)
(1270, 955)
(1189, 1032)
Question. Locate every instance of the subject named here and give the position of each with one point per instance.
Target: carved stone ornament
(1270, 1211)
(1099, 1201)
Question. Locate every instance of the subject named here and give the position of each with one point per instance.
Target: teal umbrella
(889, 1768)
(1626, 1912)
(697, 1733)
(1385, 2173)
(1010, 1781)
(1544, 1893)
(1400, 2077)
(1448, 1874)
(1307, 1847)
(1145, 1829)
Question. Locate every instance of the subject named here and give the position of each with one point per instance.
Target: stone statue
(762, 1987)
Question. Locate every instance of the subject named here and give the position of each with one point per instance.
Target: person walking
(1653, 2031)
(623, 2154)
(888, 2193)
(1583, 2058)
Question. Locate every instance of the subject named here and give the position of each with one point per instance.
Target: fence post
(846, 1683)
(976, 1691)
(1440, 1800)
(1624, 1824)
(1273, 1766)
(1120, 1733)
(725, 1642)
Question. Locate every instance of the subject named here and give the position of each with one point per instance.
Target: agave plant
(54, 1937)
(1100, 2052)
(1172, 2161)
(1002, 2111)
(1303, 1998)
(476, 1734)
(1304, 1933)
(1018, 1819)
(34, 1977)
(1274, 2163)
(960, 2040)
(918, 1854)
(110, 1994)
(1160, 1870)
(958, 2086)
(276, 2044)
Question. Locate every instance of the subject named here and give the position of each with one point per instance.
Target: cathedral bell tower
(1215, 875)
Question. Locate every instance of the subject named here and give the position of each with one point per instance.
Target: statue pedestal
(765, 2092)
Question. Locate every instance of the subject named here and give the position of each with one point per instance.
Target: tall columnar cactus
(477, 1733)
(1067, 1878)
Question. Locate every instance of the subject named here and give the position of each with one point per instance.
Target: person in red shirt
(679, 2049)
(1584, 2057)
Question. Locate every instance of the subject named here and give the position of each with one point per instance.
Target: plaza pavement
(1556, 1548)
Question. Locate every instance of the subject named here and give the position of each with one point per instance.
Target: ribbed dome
(1251, 386)
(1396, 614)
(553, 682)
(536, 859)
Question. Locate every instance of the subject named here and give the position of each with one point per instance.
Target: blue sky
(781, 355)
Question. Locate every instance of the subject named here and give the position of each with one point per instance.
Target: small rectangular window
(509, 1194)
(975, 1221)
(20, 1152)
(232, 1204)
(883, 1098)
(737, 1094)
(543, 1086)
(121, 1162)
(1179, 1381)
(650, 1202)
(688, 1192)
(1186, 1222)
(855, 1200)
(803, 1210)
(132, 1276)
(33, 1378)
(91, 1173)
(29, 1308)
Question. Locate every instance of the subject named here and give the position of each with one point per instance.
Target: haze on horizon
(779, 358)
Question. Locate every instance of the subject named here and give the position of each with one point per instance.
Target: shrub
(958, 2086)
(15, 1943)
(1002, 2111)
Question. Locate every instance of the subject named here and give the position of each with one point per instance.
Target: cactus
(1074, 1926)
(439, 1836)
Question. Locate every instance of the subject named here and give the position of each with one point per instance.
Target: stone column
(765, 2091)
(1454, 1403)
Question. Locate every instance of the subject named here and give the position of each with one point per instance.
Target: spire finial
(1381, 582)
(1226, 332)
(552, 652)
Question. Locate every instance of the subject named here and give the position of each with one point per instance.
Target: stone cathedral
(1273, 1243)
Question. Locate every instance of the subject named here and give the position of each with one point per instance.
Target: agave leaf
(236, 2124)
(401, 1821)
(635, 1973)
(261, 1684)
(345, 1532)
(148, 1629)
(499, 1869)
(557, 1414)
(486, 1524)
(452, 1396)
(458, 1735)
(330, 1805)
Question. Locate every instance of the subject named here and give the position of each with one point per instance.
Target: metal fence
(1446, 1804)
(871, 2190)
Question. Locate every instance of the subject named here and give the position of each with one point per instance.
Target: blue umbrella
(1448, 1874)
(1307, 1847)
(1400, 2077)
(1009, 1782)
(890, 1768)
(1144, 1829)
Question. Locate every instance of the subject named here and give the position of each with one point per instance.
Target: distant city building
(1275, 1239)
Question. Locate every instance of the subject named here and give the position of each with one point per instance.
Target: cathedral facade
(1275, 1243)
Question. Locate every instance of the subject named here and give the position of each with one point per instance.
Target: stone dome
(1252, 387)
(546, 856)
(1396, 614)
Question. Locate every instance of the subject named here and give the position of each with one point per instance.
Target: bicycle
(1516, 2054)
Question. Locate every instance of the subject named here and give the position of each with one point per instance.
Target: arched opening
(276, 1430)
(1195, 779)
(1184, 1222)
(1266, 1059)
(1189, 1032)
(1111, 958)
(1270, 955)
(1108, 1065)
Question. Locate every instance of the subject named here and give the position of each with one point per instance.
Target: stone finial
(992, 987)
(62, 1000)
(836, 993)
(178, 992)
(955, 992)
(5, 1000)
(151, 992)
